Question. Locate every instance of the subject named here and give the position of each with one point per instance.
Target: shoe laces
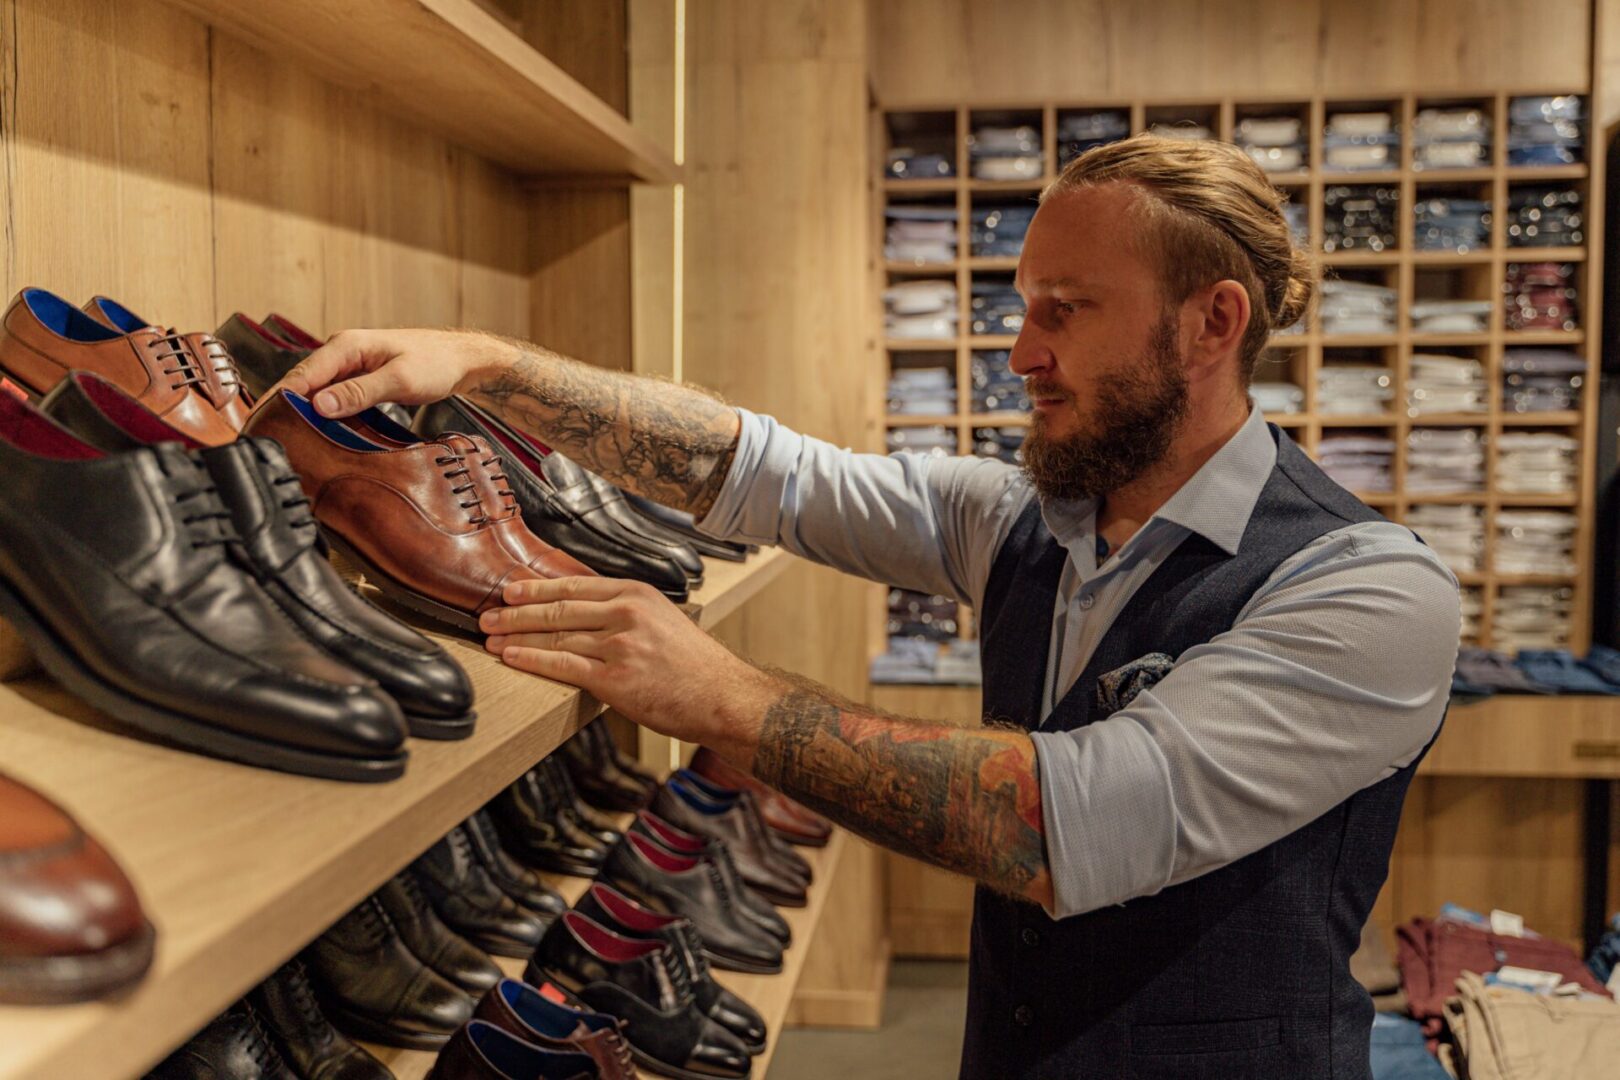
(455, 458)
(680, 978)
(260, 1048)
(303, 995)
(413, 891)
(615, 1041)
(171, 348)
(223, 363)
(374, 921)
(501, 484)
(692, 946)
(290, 493)
(202, 512)
(719, 880)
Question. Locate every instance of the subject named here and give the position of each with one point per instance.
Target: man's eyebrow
(1052, 283)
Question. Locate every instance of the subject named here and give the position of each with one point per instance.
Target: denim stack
(1079, 132)
(1277, 398)
(905, 163)
(1541, 380)
(1536, 463)
(920, 310)
(1359, 217)
(1605, 956)
(1276, 143)
(1541, 296)
(1357, 462)
(1451, 223)
(997, 308)
(1003, 443)
(1545, 217)
(937, 441)
(1445, 384)
(995, 387)
(1185, 130)
(1545, 130)
(1006, 153)
(1356, 307)
(927, 662)
(918, 615)
(1353, 389)
(922, 392)
(1455, 533)
(1444, 461)
(998, 231)
(1450, 316)
(1361, 140)
(920, 234)
(1531, 616)
(1450, 138)
(1534, 542)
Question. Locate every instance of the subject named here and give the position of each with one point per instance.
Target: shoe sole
(802, 840)
(181, 730)
(352, 1023)
(399, 594)
(732, 963)
(653, 1065)
(440, 729)
(69, 980)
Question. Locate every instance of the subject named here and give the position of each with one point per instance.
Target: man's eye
(1067, 307)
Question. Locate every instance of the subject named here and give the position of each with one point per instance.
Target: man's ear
(1222, 317)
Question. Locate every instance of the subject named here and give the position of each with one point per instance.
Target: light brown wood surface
(846, 966)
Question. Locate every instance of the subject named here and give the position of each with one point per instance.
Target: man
(1209, 672)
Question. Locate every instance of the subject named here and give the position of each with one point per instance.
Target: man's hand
(358, 369)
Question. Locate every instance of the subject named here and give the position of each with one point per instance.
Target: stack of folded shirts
(1530, 616)
(1451, 223)
(1353, 389)
(1444, 461)
(1455, 533)
(1361, 140)
(1534, 542)
(1545, 130)
(995, 387)
(1277, 398)
(1299, 223)
(1006, 153)
(1536, 463)
(1357, 462)
(1450, 138)
(920, 234)
(1450, 316)
(997, 308)
(905, 163)
(928, 662)
(1276, 143)
(1471, 599)
(937, 441)
(1541, 296)
(920, 309)
(922, 392)
(1497, 1025)
(1079, 132)
(999, 230)
(1541, 380)
(918, 615)
(1185, 130)
(1359, 218)
(1356, 307)
(1445, 384)
(1001, 443)
(1545, 217)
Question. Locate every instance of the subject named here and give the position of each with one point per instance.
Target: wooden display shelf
(452, 67)
(240, 867)
(1451, 258)
(1565, 736)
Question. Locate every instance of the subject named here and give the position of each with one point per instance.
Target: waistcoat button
(1023, 1016)
(1031, 938)
(1087, 600)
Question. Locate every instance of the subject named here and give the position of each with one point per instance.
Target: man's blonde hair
(1206, 212)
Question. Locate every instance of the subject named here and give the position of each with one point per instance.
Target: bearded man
(1209, 672)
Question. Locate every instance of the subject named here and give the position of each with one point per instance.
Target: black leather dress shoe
(616, 911)
(434, 943)
(683, 525)
(597, 776)
(720, 797)
(574, 808)
(755, 858)
(115, 569)
(372, 986)
(602, 505)
(693, 887)
(595, 541)
(261, 355)
(514, 879)
(233, 1047)
(753, 907)
(308, 1042)
(482, 1051)
(469, 901)
(639, 982)
(599, 737)
(537, 833)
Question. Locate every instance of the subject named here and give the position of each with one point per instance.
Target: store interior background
(149, 156)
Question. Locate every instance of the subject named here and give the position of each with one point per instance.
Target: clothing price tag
(1529, 977)
(1506, 923)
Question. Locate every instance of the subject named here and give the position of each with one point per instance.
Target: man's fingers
(548, 590)
(339, 358)
(556, 615)
(561, 666)
(580, 643)
(358, 394)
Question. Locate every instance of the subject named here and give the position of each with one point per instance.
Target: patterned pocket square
(1118, 688)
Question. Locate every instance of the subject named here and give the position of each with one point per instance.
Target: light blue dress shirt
(1335, 674)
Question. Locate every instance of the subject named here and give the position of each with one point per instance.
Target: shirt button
(1023, 1016)
(1087, 600)
(1031, 938)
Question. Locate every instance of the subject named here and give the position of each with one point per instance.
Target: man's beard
(1136, 415)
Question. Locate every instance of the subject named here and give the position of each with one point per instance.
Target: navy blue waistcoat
(1240, 974)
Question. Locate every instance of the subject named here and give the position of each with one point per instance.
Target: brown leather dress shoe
(71, 927)
(43, 337)
(432, 524)
(222, 383)
(793, 822)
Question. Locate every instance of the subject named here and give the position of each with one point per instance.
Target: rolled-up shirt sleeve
(1336, 674)
(929, 523)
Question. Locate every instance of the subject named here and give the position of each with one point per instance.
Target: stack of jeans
(999, 230)
(1356, 307)
(1003, 443)
(1299, 223)
(920, 310)
(1536, 463)
(1444, 461)
(1185, 130)
(1545, 130)
(1399, 1052)
(1361, 140)
(1353, 390)
(1277, 398)
(922, 392)
(936, 441)
(996, 307)
(1357, 462)
(1079, 132)
(995, 387)
(1545, 217)
(1541, 296)
(1451, 223)
(1534, 542)
(906, 163)
(1450, 138)
(923, 661)
(1541, 380)
(1359, 217)
(1531, 616)
(1455, 533)
(1450, 316)
(1276, 143)
(1006, 153)
(1564, 672)
(1483, 672)
(1445, 384)
(920, 234)
(918, 615)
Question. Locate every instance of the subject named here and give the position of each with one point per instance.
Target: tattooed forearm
(964, 799)
(668, 442)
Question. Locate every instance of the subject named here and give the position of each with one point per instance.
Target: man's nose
(1029, 355)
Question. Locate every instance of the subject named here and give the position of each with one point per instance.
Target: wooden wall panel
(579, 299)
